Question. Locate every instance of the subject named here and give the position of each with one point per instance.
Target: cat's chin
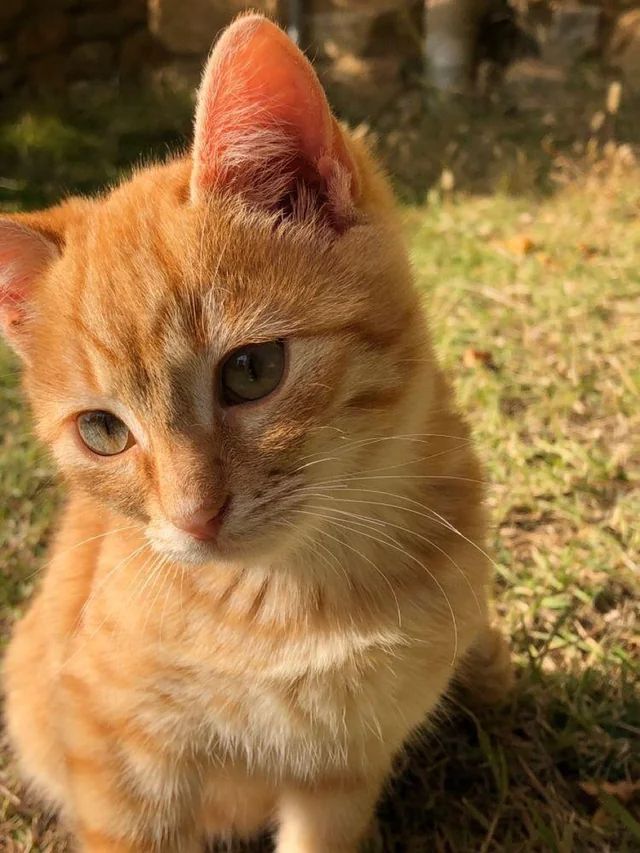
(197, 553)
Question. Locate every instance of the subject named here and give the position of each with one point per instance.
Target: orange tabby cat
(270, 563)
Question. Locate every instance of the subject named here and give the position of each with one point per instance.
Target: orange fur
(159, 692)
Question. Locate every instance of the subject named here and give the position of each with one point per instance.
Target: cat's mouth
(182, 546)
(194, 535)
(221, 539)
(182, 542)
(240, 529)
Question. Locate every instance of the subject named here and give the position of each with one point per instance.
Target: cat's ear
(264, 129)
(25, 253)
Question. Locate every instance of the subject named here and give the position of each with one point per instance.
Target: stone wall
(366, 51)
(186, 29)
(47, 45)
(368, 48)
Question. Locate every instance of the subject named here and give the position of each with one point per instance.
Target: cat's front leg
(333, 816)
(107, 816)
(129, 788)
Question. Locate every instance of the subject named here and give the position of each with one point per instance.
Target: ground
(526, 244)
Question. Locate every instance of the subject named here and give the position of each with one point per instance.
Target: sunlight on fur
(271, 561)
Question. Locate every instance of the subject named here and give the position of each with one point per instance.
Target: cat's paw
(487, 672)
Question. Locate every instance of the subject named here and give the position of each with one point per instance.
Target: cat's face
(199, 353)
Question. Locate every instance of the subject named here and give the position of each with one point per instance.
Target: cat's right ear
(264, 129)
(25, 253)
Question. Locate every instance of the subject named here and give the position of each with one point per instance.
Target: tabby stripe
(258, 601)
(376, 339)
(376, 399)
(115, 358)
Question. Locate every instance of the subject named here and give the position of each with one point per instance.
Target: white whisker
(397, 547)
(434, 517)
(420, 438)
(360, 554)
(408, 530)
(59, 554)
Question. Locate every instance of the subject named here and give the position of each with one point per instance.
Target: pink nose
(204, 523)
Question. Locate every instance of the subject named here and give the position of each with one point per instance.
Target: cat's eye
(252, 372)
(103, 433)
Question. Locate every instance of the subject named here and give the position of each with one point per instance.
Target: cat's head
(218, 334)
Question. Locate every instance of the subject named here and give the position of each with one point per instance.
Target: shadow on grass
(509, 778)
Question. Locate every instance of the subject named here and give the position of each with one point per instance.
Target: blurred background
(480, 93)
(511, 131)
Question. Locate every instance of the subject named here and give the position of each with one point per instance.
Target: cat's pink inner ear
(24, 254)
(263, 125)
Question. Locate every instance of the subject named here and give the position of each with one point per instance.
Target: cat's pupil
(252, 372)
(247, 363)
(103, 433)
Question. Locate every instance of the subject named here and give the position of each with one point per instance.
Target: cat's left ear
(264, 129)
(25, 253)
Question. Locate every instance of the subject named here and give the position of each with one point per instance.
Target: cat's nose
(203, 523)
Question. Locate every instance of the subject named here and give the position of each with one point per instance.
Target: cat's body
(187, 672)
(201, 689)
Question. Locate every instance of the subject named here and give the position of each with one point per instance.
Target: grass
(534, 290)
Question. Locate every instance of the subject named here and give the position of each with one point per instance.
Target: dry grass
(535, 299)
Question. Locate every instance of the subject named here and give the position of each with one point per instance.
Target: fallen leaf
(478, 357)
(546, 260)
(519, 245)
(586, 250)
(623, 790)
(601, 818)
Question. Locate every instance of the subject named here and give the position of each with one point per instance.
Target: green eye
(103, 433)
(252, 372)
